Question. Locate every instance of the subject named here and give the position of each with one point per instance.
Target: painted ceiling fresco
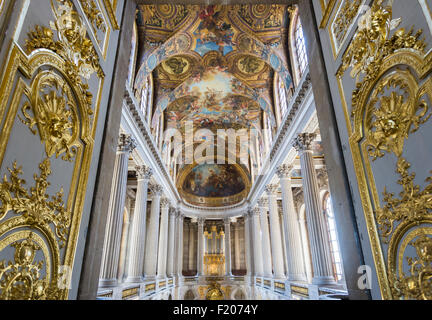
(213, 100)
(214, 185)
(213, 65)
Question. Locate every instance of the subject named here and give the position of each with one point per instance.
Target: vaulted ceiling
(213, 66)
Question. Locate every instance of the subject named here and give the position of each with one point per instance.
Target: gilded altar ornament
(36, 207)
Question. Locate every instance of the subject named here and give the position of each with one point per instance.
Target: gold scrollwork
(389, 104)
(73, 46)
(22, 279)
(36, 207)
(55, 115)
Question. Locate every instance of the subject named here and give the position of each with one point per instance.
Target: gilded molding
(389, 104)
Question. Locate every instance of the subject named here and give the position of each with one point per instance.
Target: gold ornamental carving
(47, 89)
(389, 104)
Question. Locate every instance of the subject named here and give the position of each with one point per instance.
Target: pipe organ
(214, 252)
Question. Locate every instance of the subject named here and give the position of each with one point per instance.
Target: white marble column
(200, 251)
(237, 255)
(266, 248)
(247, 242)
(318, 236)
(171, 242)
(275, 233)
(191, 257)
(163, 239)
(111, 249)
(180, 222)
(227, 224)
(151, 253)
(257, 242)
(135, 269)
(295, 262)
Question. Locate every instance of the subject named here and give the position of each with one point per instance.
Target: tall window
(282, 98)
(300, 48)
(334, 244)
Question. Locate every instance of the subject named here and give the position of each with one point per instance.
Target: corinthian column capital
(165, 203)
(271, 189)
(156, 189)
(144, 172)
(262, 203)
(126, 143)
(304, 141)
(284, 171)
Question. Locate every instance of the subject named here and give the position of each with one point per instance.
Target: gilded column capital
(156, 189)
(303, 142)
(284, 171)
(126, 143)
(271, 189)
(165, 203)
(144, 172)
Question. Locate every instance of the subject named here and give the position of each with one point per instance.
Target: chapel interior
(217, 150)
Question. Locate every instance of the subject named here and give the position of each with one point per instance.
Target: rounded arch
(293, 42)
(189, 295)
(238, 294)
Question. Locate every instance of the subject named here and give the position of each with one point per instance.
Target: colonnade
(272, 235)
(156, 250)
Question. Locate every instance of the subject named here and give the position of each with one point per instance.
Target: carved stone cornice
(126, 143)
(156, 190)
(165, 203)
(284, 171)
(271, 189)
(138, 116)
(144, 172)
(304, 141)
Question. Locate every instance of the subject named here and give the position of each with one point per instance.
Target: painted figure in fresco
(214, 181)
(213, 30)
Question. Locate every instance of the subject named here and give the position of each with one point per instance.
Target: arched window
(334, 243)
(297, 46)
(300, 46)
(282, 95)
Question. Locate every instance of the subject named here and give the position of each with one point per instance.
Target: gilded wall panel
(343, 22)
(389, 121)
(48, 114)
(111, 8)
(98, 20)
